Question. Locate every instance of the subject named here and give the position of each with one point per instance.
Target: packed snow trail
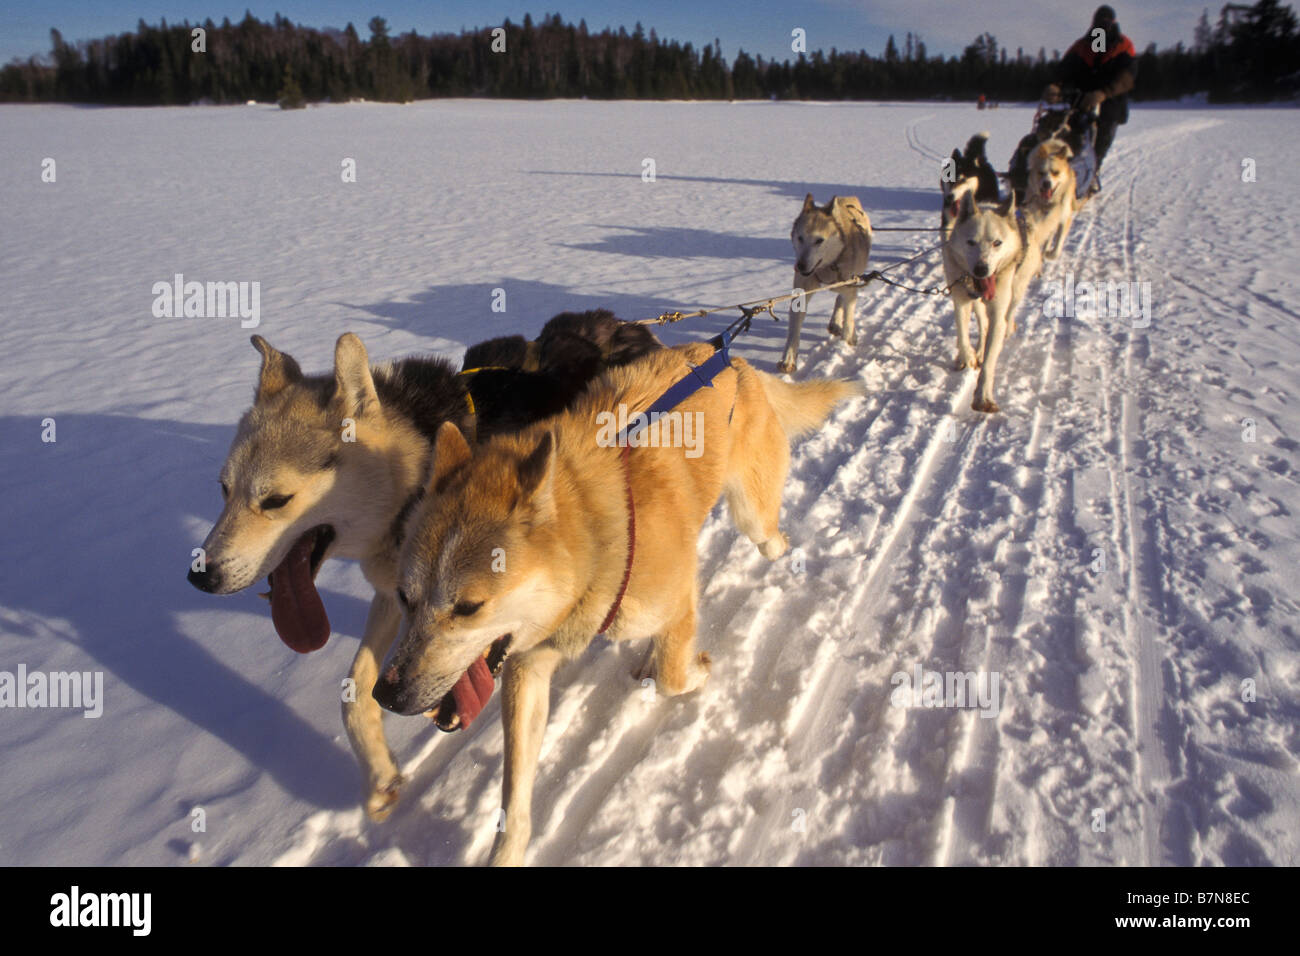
(1110, 546)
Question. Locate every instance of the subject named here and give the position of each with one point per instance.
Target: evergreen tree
(290, 97)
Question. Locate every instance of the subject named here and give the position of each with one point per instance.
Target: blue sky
(759, 26)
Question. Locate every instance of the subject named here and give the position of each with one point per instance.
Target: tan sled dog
(1052, 185)
(831, 243)
(559, 532)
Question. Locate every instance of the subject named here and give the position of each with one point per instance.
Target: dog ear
(279, 370)
(1008, 206)
(450, 452)
(354, 386)
(966, 205)
(535, 471)
(808, 203)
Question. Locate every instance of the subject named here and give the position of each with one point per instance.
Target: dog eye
(997, 242)
(820, 241)
(225, 490)
(401, 599)
(275, 501)
(970, 242)
(466, 608)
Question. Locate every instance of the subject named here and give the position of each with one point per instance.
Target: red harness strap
(631, 545)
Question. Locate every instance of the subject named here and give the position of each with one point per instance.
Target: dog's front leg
(525, 705)
(983, 401)
(362, 716)
(965, 354)
(848, 303)
(794, 317)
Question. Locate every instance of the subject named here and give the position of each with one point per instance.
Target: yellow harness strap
(469, 399)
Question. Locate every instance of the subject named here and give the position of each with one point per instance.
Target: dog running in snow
(989, 258)
(301, 485)
(1051, 190)
(529, 545)
(831, 243)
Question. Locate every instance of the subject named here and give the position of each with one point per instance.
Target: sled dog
(529, 545)
(329, 466)
(974, 162)
(1052, 185)
(831, 243)
(989, 258)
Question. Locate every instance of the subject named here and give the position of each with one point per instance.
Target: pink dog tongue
(472, 691)
(988, 288)
(296, 609)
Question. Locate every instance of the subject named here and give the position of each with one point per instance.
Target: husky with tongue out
(529, 545)
(990, 255)
(331, 465)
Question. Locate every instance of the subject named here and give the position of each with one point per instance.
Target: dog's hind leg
(525, 706)
(760, 459)
(362, 716)
(678, 668)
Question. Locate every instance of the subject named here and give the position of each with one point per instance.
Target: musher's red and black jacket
(1113, 72)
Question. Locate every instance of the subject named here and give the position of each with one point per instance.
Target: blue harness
(700, 376)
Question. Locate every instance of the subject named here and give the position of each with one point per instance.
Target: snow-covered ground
(1112, 546)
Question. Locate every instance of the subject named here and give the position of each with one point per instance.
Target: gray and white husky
(831, 243)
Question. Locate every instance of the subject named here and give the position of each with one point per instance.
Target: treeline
(1251, 54)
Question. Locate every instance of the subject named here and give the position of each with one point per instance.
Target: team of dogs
(500, 536)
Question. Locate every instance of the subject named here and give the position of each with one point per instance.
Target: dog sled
(1061, 117)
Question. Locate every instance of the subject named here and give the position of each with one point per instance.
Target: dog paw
(785, 367)
(834, 329)
(697, 674)
(852, 339)
(382, 799)
(985, 405)
(965, 361)
(774, 546)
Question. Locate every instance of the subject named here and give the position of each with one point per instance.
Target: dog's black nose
(388, 691)
(981, 270)
(203, 580)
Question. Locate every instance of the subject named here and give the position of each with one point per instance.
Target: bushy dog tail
(802, 406)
